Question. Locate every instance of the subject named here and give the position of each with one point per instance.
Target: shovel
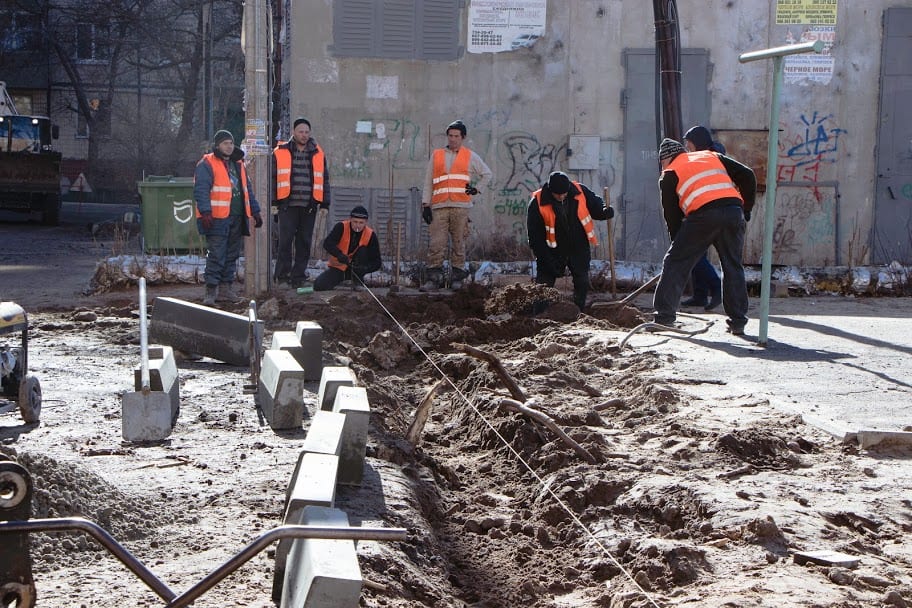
(632, 296)
(146, 413)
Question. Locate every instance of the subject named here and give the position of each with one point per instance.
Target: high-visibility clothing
(550, 217)
(220, 194)
(702, 179)
(451, 186)
(345, 241)
(283, 172)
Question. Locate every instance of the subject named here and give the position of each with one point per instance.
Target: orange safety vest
(283, 172)
(220, 194)
(344, 242)
(550, 218)
(702, 179)
(451, 186)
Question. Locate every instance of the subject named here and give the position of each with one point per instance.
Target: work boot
(457, 277)
(211, 295)
(226, 293)
(714, 300)
(695, 301)
(434, 279)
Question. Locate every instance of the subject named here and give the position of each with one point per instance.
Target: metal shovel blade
(146, 414)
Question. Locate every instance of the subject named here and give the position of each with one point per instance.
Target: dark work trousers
(296, 226)
(705, 280)
(579, 270)
(223, 251)
(331, 277)
(721, 227)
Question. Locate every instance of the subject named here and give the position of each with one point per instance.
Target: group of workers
(706, 199)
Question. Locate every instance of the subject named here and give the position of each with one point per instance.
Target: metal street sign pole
(776, 54)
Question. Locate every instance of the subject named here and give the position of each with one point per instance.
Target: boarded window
(396, 29)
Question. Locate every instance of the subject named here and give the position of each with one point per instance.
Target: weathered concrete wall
(522, 106)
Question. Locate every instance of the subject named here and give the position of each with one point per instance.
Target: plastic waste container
(168, 215)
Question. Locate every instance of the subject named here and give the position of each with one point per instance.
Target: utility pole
(668, 65)
(255, 41)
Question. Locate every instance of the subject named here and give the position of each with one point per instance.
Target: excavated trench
(501, 511)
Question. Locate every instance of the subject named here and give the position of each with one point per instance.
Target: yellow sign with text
(814, 12)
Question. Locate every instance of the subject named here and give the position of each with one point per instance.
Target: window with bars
(397, 29)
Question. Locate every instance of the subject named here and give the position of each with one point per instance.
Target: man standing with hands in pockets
(449, 185)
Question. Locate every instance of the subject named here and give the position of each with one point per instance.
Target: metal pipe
(66, 524)
(781, 51)
(217, 575)
(772, 163)
(267, 538)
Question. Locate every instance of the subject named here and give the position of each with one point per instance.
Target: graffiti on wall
(805, 225)
(806, 148)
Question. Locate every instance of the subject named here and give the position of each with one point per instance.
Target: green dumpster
(168, 215)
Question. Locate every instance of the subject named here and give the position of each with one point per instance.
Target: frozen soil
(669, 500)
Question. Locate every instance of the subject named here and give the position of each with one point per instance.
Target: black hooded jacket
(572, 242)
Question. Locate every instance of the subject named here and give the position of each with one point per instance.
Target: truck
(29, 165)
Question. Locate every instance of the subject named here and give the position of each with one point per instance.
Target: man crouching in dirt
(353, 250)
(561, 230)
(224, 201)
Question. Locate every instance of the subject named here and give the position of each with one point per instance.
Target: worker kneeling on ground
(353, 249)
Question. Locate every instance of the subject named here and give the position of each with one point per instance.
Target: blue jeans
(705, 280)
(721, 227)
(223, 252)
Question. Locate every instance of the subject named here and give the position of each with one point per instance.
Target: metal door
(644, 237)
(891, 237)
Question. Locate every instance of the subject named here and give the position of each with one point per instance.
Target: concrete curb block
(280, 393)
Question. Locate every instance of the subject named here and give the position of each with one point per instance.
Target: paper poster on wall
(505, 25)
(811, 67)
(800, 12)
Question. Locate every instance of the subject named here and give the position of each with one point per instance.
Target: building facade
(548, 85)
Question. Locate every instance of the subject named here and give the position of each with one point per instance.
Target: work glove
(257, 220)
(747, 216)
(427, 215)
(610, 212)
(471, 190)
(343, 258)
(206, 221)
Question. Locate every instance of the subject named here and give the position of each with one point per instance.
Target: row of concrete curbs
(308, 572)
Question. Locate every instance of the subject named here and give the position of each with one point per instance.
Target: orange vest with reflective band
(702, 179)
(283, 172)
(220, 194)
(550, 218)
(344, 243)
(451, 186)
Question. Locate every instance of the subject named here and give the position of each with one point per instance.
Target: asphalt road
(842, 363)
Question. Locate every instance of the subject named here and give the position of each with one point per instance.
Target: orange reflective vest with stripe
(550, 218)
(345, 241)
(451, 186)
(220, 194)
(283, 172)
(702, 179)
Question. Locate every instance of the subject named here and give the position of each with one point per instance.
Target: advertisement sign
(505, 25)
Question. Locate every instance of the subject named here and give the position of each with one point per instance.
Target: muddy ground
(686, 501)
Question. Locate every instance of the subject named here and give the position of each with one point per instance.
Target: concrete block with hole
(322, 573)
(310, 337)
(330, 380)
(280, 393)
(163, 376)
(194, 328)
(352, 402)
(313, 484)
(324, 436)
